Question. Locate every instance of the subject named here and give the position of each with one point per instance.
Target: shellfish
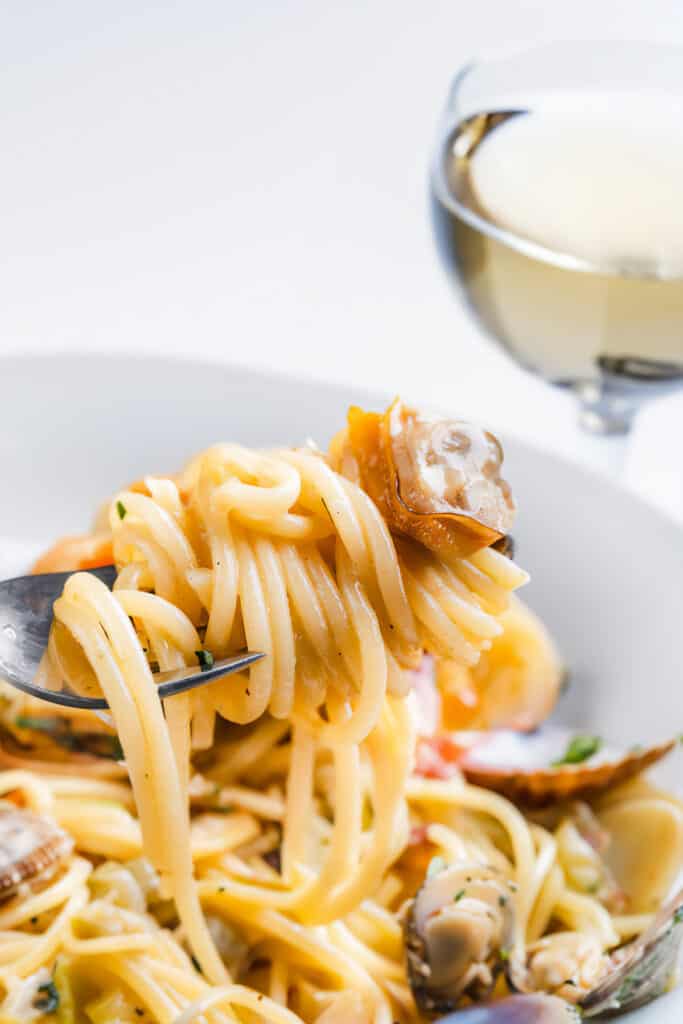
(435, 480)
(534, 1009)
(458, 930)
(629, 977)
(31, 848)
(550, 765)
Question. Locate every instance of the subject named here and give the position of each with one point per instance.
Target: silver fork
(25, 619)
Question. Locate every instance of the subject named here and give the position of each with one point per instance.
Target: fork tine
(177, 682)
(27, 602)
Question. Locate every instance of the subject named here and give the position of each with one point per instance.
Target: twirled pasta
(252, 859)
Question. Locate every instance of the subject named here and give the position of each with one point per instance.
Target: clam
(458, 931)
(549, 765)
(643, 969)
(601, 984)
(435, 480)
(458, 935)
(566, 964)
(533, 1009)
(31, 848)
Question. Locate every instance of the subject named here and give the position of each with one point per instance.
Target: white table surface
(247, 182)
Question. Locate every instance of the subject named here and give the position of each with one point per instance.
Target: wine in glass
(557, 187)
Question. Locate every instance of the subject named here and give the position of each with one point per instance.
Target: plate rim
(590, 473)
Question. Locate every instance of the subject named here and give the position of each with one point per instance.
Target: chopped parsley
(205, 658)
(504, 954)
(436, 865)
(579, 749)
(47, 998)
(121, 509)
(458, 896)
(678, 916)
(502, 901)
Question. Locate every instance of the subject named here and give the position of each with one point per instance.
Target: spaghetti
(250, 860)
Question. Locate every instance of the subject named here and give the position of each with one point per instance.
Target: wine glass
(558, 207)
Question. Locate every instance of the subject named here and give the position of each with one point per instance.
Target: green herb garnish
(436, 865)
(205, 658)
(47, 998)
(121, 509)
(678, 916)
(504, 954)
(579, 749)
(458, 896)
(502, 901)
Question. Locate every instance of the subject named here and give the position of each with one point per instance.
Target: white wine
(565, 227)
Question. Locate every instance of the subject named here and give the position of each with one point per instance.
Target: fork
(25, 619)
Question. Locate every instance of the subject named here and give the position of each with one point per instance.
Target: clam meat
(574, 966)
(435, 480)
(458, 933)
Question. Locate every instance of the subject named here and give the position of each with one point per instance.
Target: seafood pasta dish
(374, 823)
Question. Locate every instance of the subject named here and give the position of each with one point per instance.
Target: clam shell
(531, 1009)
(644, 969)
(31, 846)
(442, 891)
(408, 488)
(520, 765)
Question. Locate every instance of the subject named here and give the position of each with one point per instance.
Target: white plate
(607, 569)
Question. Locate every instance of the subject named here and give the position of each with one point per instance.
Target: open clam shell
(435, 480)
(642, 970)
(533, 768)
(458, 930)
(531, 1009)
(627, 978)
(31, 847)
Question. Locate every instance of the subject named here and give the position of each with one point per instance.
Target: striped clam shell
(524, 766)
(31, 846)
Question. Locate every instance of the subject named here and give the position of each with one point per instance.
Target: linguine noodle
(251, 860)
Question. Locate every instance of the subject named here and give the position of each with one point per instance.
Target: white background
(247, 181)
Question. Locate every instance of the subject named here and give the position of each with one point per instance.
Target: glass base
(602, 411)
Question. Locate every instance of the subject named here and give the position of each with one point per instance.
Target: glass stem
(602, 411)
(608, 418)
